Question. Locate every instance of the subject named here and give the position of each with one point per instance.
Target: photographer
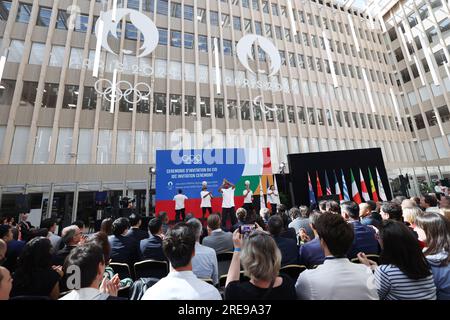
(261, 260)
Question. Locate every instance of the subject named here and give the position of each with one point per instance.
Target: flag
(344, 187)
(355, 192)
(327, 185)
(372, 188)
(364, 192)
(312, 197)
(380, 187)
(261, 195)
(319, 187)
(336, 187)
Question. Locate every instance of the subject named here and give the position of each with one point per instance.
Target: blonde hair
(260, 257)
(446, 213)
(410, 214)
(408, 203)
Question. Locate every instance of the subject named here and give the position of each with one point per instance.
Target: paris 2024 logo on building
(142, 23)
(244, 53)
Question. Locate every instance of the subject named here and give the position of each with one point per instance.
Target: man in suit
(218, 239)
(366, 216)
(288, 247)
(135, 233)
(151, 248)
(364, 240)
(311, 253)
(123, 249)
(71, 236)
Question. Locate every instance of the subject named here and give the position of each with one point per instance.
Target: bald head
(2, 250)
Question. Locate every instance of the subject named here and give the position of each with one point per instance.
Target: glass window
(188, 12)
(70, 97)
(7, 91)
(19, 145)
(15, 51)
(188, 40)
(141, 147)
(225, 20)
(214, 18)
(160, 103)
(245, 110)
(89, 98)
(162, 7)
(237, 23)
(50, 95)
(23, 14)
(175, 39)
(201, 15)
(64, 146)
(227, 47)
(5, 7)
(162, 36)
(123, 146)
(219, 108)
(104, 146)
(57, 56)
(37, 53)
(44, 15)
(42, 145)
(190, 108)
(275, 9)
(85, 138)
(175, 10)
(202, 43)
(248, 25)
(205, 108)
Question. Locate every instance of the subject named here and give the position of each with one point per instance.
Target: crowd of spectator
(395, 250)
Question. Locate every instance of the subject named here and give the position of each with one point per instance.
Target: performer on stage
(179, 205)
(273, 198)
(206, 197)
(248, 198)
(227, 191)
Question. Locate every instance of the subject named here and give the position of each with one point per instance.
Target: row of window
(431, 118)
(392, 150)
(439, 57)
(172, 105)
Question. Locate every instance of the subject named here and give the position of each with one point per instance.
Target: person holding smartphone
(227, 191)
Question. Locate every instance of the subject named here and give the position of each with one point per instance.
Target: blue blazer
(364, 240)
(289, 250)
(151, 248)
(124, 250)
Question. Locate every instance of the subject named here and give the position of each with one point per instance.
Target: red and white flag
(364, 192)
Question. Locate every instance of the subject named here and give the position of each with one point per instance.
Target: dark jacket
(289, 233)
(289, 250)
(60, 256)
(311, 253)
(372, 220)
(151, 248)
(124, 250)
(13, 252)
(137, 235)
(364, 240)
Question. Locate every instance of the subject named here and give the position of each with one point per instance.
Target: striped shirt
(393, 284)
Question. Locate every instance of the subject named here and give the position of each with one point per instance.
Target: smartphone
(246, 229)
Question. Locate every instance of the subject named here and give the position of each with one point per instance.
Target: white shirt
(248, 197)
(179, 201)
(432, 209)
(228, 197)
(181, 285)
(337, 279)
(85, 294)
(273, 197)
(206, 202)
(204, 263)
(438, 189)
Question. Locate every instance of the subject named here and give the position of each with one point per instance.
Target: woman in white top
(206, 197)
(273, 198)
(248, 198)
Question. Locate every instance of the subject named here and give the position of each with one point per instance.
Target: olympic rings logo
(130, 94)
(192, 159)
